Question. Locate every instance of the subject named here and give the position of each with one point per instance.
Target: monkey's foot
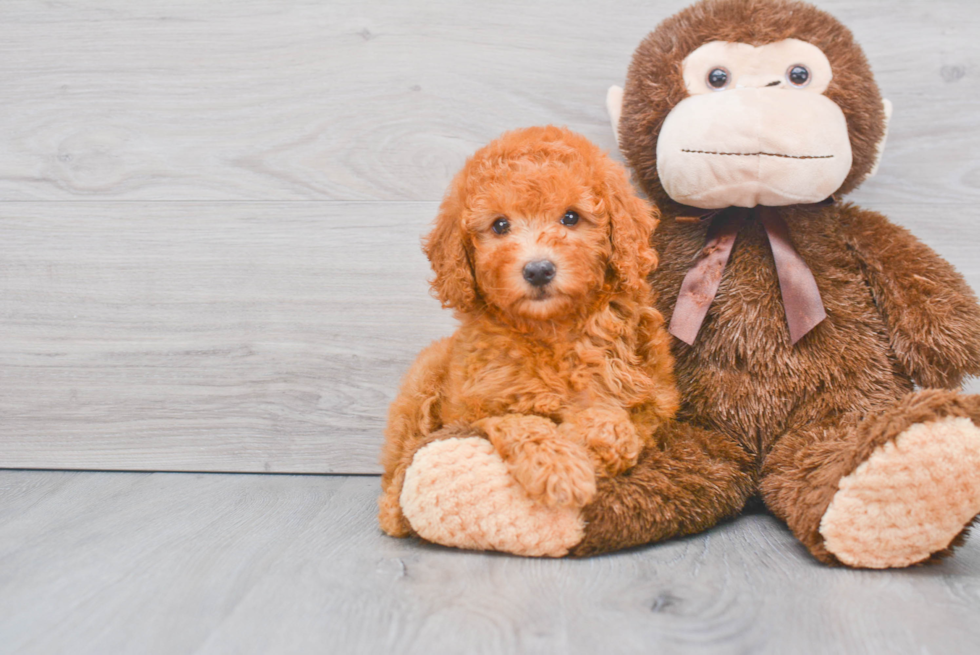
(459, 493)
(910, 499)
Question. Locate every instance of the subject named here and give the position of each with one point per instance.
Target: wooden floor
(147, 563)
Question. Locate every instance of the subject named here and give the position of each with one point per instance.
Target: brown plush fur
(802, 470)
(694, 478)
(567, 381)
(809, 414)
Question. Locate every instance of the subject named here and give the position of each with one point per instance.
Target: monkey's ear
(632, 221)
(453, 284)
(884, 135)
(614, 105)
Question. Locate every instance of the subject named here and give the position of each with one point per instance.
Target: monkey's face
(755, 129)
(746, 102)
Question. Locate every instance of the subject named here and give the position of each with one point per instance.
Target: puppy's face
(537, 223)
(539, 244)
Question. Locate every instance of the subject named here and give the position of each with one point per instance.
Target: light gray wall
(210, 211)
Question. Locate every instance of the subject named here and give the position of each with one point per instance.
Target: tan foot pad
(458, 493)
(909, 499)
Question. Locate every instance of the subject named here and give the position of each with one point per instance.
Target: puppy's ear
(453, 284)
(632, 221)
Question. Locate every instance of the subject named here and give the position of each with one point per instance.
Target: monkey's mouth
(755, 154)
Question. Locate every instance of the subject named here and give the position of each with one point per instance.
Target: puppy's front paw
(609, 435)
(553, 470)
(556, 472)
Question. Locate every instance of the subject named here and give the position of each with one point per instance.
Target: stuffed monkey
(819, 348)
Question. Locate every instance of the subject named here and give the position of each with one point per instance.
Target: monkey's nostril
(776, 83)
(539, 273)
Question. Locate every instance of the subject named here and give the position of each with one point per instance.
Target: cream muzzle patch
(755, 129)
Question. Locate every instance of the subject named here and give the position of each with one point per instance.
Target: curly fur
(567, 383)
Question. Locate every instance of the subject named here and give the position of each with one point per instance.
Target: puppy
(542, 250)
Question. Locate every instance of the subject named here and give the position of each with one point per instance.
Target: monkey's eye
(569, 219)
(718, 78)
(501, 226)
(798, 75)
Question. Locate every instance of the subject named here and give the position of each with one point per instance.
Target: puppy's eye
(798, 75)
(569, 219)
(718, 78)
(501, 226)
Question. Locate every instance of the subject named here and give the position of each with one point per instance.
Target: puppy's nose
(539, 273)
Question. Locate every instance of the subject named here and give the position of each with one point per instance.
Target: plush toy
(819, 348)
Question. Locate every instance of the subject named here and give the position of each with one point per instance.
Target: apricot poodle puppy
(542, 249)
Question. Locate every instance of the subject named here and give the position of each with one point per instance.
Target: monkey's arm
(413, 421)
(931, 313)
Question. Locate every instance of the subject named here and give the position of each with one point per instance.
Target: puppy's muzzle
(539, 273)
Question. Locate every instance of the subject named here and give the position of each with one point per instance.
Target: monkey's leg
(390, 515)
(459, 493)
(685, 484)
(887, 490)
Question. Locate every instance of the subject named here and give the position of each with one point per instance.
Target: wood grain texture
(189, 336)
(372, 100)
(179, 563)
(229, 336)
(210, 212)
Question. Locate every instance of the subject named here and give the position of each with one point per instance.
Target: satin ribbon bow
(801, 298)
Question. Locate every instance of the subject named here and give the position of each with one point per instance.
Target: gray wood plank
(231, 336)
(259, 99)
(178, 563)
(172, 299)
(188, 336)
